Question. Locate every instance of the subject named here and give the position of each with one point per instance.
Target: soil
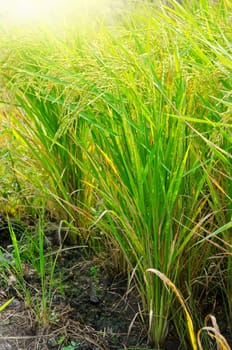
(93, 311)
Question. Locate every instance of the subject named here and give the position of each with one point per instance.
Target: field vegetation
(121, 128)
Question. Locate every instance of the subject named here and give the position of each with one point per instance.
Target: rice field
(120, 125)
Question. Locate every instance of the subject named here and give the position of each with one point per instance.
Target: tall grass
(45, 102)
(138, 119)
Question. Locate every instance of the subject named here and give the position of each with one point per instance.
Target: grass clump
(27, 261)
(130, 135)
(213, 331)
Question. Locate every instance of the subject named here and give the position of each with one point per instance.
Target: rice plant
(42, 112)
(156, 167)
(213, 331)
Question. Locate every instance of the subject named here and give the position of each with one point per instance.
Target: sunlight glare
(24, 10)
(50, 10)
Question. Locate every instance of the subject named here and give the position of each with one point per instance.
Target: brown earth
(93, 311)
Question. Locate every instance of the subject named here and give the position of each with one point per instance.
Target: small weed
(29, 260)
(94, 272)
(72, 346)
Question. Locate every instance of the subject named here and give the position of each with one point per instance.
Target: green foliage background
(124, 127)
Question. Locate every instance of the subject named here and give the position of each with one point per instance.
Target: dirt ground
(93, 311)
